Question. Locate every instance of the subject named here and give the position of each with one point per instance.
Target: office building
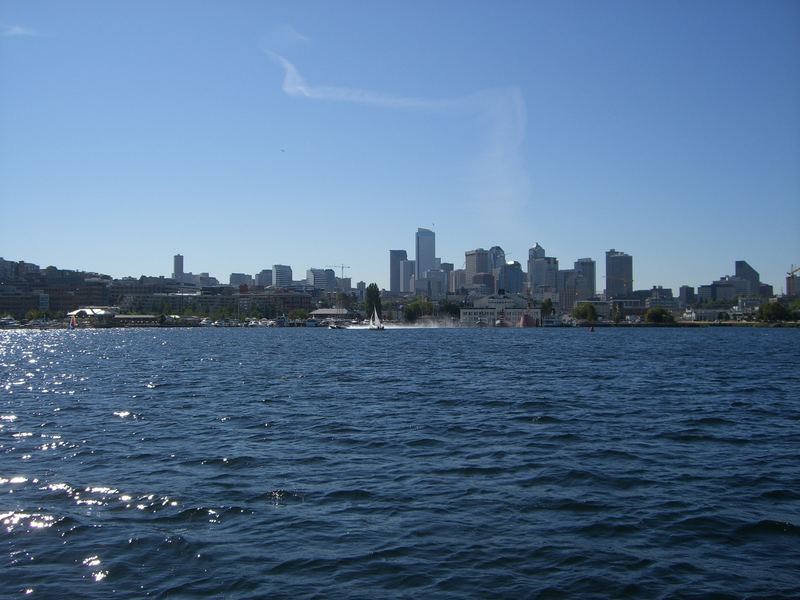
(566, 284)
(434, 285)
(533, 253)
(543, 276)
(457, 281)
(510, 278)
(407, 270)
(395, 258)
(792, 283)
(177, 267)
(619, 274)
(237, 279)
(322, 279)
(746, 272)
(477, 262)
(497, 258)
(585, 279)
(281, 276)
(264, 278)
(686, 296)
(426, 252)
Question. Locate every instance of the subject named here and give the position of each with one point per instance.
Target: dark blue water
(247, 463)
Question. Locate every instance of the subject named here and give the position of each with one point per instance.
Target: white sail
(375, 320)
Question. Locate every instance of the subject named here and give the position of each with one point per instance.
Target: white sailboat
(375, 321)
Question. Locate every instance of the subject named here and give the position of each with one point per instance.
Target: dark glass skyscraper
(395, 258)
(426, 252)
(619, 274)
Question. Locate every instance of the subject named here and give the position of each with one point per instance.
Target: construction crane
(342, 267)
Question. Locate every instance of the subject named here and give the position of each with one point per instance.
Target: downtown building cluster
(485, 281)
(486, 274)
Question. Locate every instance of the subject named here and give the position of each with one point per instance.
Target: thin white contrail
(499, 174)
(295, 85)
(15, 30)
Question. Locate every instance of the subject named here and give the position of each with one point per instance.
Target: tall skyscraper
(585, 282)
(177, 267)
(395, 258)
(477, 261)
(619, 274)
(407, 268)
(457, 281)
(281, 276)
(537, 252)
(542, 271)
(567, 289)
(509, 278)
(497, 258)
(426, 252)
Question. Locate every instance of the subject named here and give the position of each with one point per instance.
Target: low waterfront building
(662, 298)
(332, 313)
(507, 317)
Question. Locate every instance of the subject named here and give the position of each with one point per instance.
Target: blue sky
(243, 134)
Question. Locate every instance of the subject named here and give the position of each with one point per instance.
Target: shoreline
(428, 325)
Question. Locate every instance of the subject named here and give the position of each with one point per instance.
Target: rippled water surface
(244, 463)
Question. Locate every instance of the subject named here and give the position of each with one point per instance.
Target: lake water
(247, 463)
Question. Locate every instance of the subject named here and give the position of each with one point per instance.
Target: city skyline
(314, 135)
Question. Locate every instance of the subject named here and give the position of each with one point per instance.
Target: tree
(416, 308)
(773, 311)
(658, 315)
(452, 309)
(372, 300)
(585, 311)
(298, 314)
(547, 307)
(616, 312)
(344, 300)
(794, 308)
